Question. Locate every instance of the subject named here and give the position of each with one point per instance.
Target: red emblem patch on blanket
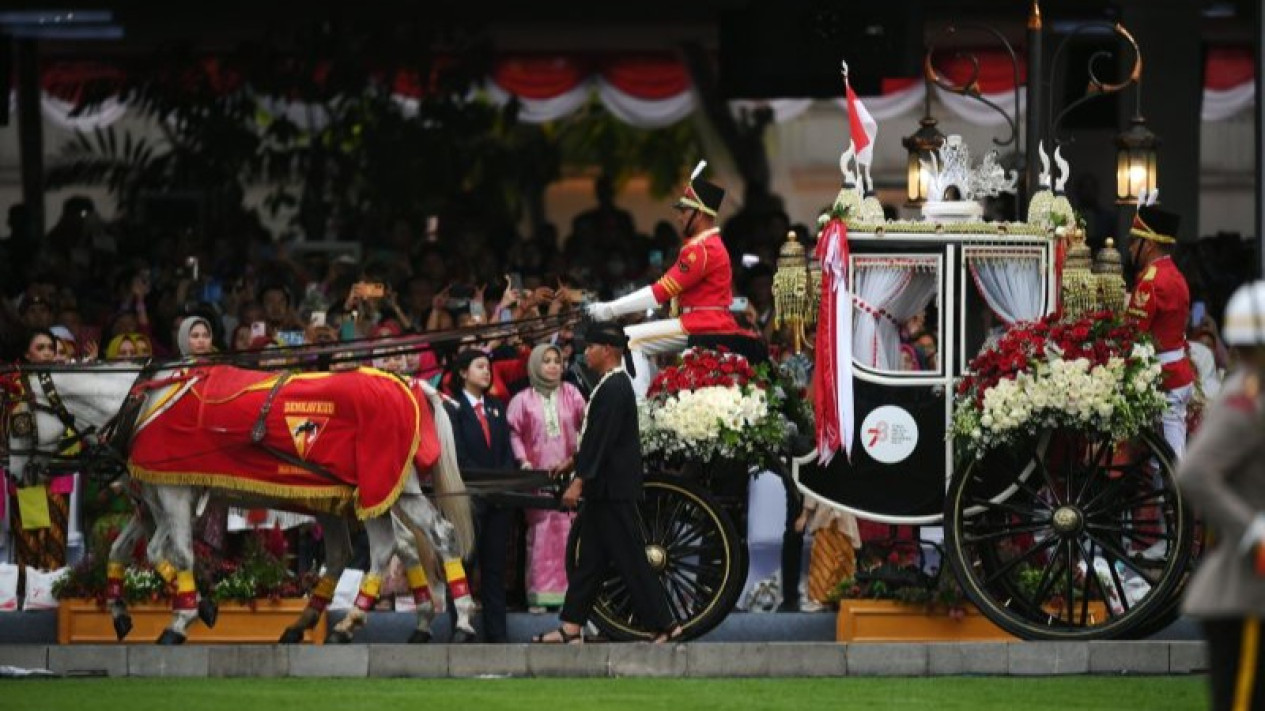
(360, 428)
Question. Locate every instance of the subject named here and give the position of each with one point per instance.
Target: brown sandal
(563, 637)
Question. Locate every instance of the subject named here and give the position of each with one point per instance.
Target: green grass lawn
(966, 693)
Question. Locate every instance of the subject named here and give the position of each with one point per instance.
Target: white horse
(91, 398)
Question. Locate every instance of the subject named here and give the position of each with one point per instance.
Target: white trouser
(649, 339)
(1174, 419)
(657, 337)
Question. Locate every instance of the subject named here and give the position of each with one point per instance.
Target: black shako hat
(701, 195)
(1155, 224)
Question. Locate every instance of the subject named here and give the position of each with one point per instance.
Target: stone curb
(711, 660)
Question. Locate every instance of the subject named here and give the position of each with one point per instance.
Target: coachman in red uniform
(701, 281)
(1160, 305)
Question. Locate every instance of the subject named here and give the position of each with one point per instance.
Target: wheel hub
(1067, 520)
(657, 556)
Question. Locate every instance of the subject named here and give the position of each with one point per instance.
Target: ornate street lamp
(1135, 161)
(925, 141)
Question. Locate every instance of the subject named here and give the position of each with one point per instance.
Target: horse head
(64, 412)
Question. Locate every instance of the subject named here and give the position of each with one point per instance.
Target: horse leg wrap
(455, 572)
(186, 592)
(418, 584)
(166, 571)
(368, 595)
(322, 594)
(114, 580)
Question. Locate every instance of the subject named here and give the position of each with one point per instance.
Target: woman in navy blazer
(480, 448)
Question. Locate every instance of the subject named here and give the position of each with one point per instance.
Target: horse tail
(449, 487)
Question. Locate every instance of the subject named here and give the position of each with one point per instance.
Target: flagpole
(1032, 133)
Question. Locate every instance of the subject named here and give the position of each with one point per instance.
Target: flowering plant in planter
(261, 572)
(898, 570)
(714, 404)
(1092, 374)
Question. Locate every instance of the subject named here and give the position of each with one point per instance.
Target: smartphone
(370, 290)
(739, 304)
(656, 258)
(192, 264)
(432, 228)
(1198, 310)
(456, 304)
(317, 319)
(257, 329)
(291, 338)
(750, 260)
(516, 282)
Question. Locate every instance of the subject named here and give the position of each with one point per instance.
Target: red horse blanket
(364, 427)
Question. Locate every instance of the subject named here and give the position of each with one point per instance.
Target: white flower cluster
(1119, 397)
(695, 422)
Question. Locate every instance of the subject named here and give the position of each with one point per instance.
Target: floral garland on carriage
(1092, 374)
(713, 404)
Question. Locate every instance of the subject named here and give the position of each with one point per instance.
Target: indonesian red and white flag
(862, 126)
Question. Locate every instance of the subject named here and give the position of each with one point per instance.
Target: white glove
(601, 311)
(640, 300)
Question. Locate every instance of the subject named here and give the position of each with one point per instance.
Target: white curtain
(58, 112)
(887, 292)
(1010, 284)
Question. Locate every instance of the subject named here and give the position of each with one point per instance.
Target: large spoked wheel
(692, 546)
(1086, 539)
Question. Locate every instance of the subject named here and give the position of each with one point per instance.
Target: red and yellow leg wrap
(455, 572)
(322, 594)
(166, 571)
(114, 580)
(417, 583)
(368, 595)
(186, 592)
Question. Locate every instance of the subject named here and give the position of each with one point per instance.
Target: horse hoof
(338, 637)
(419, 637)
(122, 626)
(170, 639)
(208, 611)
(291, 636)
(462, 637)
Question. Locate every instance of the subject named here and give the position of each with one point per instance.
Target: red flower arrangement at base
(1095, 373)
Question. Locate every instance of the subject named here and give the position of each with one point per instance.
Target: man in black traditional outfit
(608, 474)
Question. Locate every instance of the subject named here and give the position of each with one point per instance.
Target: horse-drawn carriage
(1063, 534)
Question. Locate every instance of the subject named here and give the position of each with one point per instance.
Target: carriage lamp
(1135, 161)
(793, 298)
(921, 145)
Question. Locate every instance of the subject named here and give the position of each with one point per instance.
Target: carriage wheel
(1087, 539)
(692, 546)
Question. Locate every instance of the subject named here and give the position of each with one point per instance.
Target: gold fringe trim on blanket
(338, 496)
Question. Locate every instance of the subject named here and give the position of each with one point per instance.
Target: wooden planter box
(85, 622)
(892, 621)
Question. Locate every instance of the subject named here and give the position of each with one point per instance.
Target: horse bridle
(102, 453)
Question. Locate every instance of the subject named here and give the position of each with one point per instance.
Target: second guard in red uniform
(1160, 305)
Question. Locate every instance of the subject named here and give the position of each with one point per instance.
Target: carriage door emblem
(889, 434)
(304, 431)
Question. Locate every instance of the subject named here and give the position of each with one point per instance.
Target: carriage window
(895, 322)
(1008, 287)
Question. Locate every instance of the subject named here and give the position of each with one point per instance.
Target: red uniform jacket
(702, 283)
(1161, 306)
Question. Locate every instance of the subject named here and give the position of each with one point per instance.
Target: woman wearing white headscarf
(194, 337)
(545, 423)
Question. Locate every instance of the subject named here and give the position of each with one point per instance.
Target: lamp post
(1137, 144)
(925, 141)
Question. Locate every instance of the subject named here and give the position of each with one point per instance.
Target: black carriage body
(904, 483)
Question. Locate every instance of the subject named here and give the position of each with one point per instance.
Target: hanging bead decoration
(794, 296)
